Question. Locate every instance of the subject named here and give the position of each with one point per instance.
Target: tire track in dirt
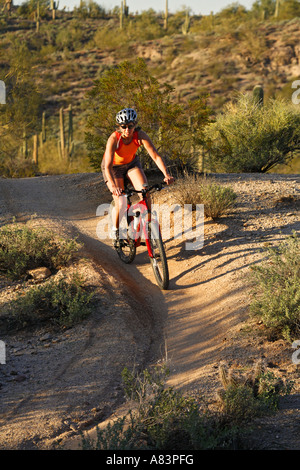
(132, 316)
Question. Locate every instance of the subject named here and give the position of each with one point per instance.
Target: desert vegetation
(195, 189)
(58, 298)
(162, 418)
(56, 64)
(276, 300)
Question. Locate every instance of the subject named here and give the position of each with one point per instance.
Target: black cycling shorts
(121, 171)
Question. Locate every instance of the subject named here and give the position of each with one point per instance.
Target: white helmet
(126, 115)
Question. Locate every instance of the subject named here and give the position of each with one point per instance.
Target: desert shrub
(249, 137)
(163, 419)
(17, 167)
(89, 9)
(196, 189)
(70, 37)
(62, 302)
(23, 248)
(239, 404)
(247, 396)
(276, 290)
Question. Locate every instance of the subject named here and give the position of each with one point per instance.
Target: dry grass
(196, 189)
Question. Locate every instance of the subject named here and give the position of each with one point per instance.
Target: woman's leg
(139, 180)
(119, 204)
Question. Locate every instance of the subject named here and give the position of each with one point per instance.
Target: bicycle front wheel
(158, 259)
(126, 248)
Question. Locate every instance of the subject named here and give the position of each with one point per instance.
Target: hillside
(219, 62)
(217, 56)
(221, 59)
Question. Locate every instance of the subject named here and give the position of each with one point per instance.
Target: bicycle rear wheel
(125, 247)
(159, 260)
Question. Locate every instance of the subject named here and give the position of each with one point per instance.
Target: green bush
(163, 419)
(89, 9)
(63, 302)
(276, 291)
(23, 248)
(248, 137)
(239, 404)
(195, 189)
(17, 167)
(245, 397)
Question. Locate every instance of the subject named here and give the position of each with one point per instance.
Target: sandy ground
(57, 383)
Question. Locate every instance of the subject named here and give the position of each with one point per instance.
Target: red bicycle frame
(142, 211)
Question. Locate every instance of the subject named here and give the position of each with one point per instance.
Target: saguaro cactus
(277, 8)
(126, 8)
(66, 144)
(166, 16)
(70, 131)
(186, 25)
(62, 133)
(37, 19)
(35, 149)
(25, 146)
(121, 14)
(44, 136)
(8, 6)
(53, 8)
(258, 95)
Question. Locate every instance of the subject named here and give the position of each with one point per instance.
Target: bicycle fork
(140, 220)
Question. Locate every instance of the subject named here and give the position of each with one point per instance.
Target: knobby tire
(126, 248)
(159, 260)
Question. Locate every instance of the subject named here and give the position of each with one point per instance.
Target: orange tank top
(125, 153)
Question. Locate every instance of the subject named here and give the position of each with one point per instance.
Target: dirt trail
(53, 388)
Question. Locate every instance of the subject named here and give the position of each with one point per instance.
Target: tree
(249, 137)
(131, 85)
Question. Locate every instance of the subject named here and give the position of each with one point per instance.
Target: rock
(46, 337)
(39, 274)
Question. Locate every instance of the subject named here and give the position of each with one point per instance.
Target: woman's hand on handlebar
(116, 191)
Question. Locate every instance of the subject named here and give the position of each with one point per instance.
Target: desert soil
(57, 383)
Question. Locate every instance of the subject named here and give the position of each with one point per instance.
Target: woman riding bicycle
(120, 160)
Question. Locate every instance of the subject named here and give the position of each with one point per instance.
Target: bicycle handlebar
(157, 186)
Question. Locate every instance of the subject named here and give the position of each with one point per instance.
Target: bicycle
(140, 222)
